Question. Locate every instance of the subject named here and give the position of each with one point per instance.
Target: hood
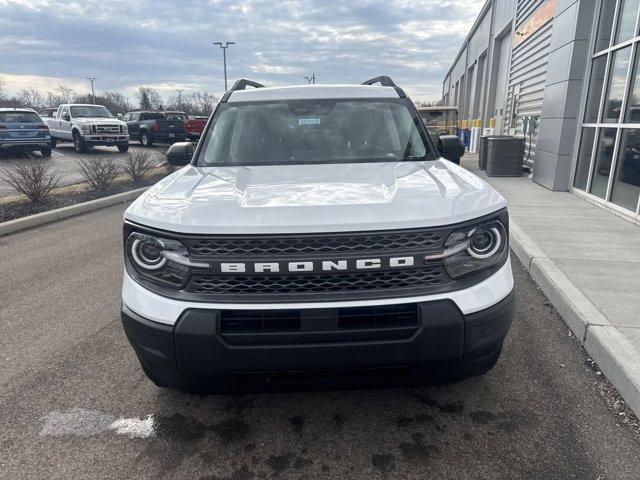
(314, 198)
(103, 121)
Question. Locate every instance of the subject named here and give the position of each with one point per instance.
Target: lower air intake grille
(319, 325)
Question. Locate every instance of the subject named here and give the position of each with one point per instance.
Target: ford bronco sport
(316, 230)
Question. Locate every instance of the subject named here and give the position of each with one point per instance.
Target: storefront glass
(607, 162)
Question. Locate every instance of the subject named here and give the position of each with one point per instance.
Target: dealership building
(565, 75)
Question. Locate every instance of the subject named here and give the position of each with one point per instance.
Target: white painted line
(56, 153)
(79, 422)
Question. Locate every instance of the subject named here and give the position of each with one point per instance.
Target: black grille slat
(319, 283)
(243, 247)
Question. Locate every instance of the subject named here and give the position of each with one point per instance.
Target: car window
(89, 111)
(175, 116)
(314, 131)
(151, 116)
(19, 117)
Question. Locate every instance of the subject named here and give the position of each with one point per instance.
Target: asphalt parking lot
(63, 159)
(76, 405)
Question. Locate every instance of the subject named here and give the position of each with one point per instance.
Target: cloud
(170, 44)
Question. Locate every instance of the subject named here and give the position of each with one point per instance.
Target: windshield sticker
(308, 121)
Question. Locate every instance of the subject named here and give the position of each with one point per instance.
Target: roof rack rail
(240, 84)
(383, 80)
(386, 81)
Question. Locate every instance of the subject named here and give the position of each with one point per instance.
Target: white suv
(316, 230)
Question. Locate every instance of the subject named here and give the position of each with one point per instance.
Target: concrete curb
(38, 219)
(615, 355)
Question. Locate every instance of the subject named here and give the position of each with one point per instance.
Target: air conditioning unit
(505, 156)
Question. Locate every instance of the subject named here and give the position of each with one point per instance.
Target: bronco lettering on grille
(316, 266)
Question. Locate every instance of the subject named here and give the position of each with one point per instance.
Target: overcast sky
(168, 44)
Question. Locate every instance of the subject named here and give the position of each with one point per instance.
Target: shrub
(137, 164)
(34, 179)
(100, 171)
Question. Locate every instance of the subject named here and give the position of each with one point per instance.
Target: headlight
(86, 129)
(160, 260)
(472, 249)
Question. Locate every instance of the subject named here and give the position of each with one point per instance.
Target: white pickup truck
(87, 126)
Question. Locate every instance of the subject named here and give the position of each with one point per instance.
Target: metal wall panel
(505, 11)
(527, 76)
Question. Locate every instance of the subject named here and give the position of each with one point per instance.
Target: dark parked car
(152, 127)
(23, 129)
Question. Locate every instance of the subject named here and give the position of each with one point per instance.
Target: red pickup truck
(193, 125)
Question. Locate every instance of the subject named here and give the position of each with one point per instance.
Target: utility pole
(49, 93)
(93, 93)
(179, 90)
(224, 46)
(311, 79)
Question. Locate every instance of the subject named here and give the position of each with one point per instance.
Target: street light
(224, 46)
(311, 79)
(93, 93)
(179, 90)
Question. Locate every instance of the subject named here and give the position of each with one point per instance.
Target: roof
(312, 92)
(437, 109)
(18, 109)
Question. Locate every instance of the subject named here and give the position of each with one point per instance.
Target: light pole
(49, 93)
(93, 93)
(311, 79)
(224, 46)
(179, 90)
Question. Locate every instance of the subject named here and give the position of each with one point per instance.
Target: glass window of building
(626, 182)
(633, 104)
(615, 89)
(605, 25)
(626, 20)
(604, 157)
(584, 158)
(598, 69)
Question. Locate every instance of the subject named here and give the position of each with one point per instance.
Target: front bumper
(106, 140)
(195, 353)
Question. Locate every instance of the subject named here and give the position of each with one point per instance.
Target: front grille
(318, 283)
(361, 243)
(106, 128)
(382, 322)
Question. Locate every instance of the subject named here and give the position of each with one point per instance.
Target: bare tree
(63, 94)
(149, 98)
(31, 98)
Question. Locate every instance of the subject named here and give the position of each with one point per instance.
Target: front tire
(78, 143)
(54, 142)
(145, 139)
(123, 148)
(45, 152)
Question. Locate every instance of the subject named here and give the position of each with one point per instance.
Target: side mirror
(451, 148)
(180, 153)
(66, 117)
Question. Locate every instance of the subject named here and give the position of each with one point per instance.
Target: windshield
(312, 132)
(175, 116)
(19, 117)
(89, 111)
